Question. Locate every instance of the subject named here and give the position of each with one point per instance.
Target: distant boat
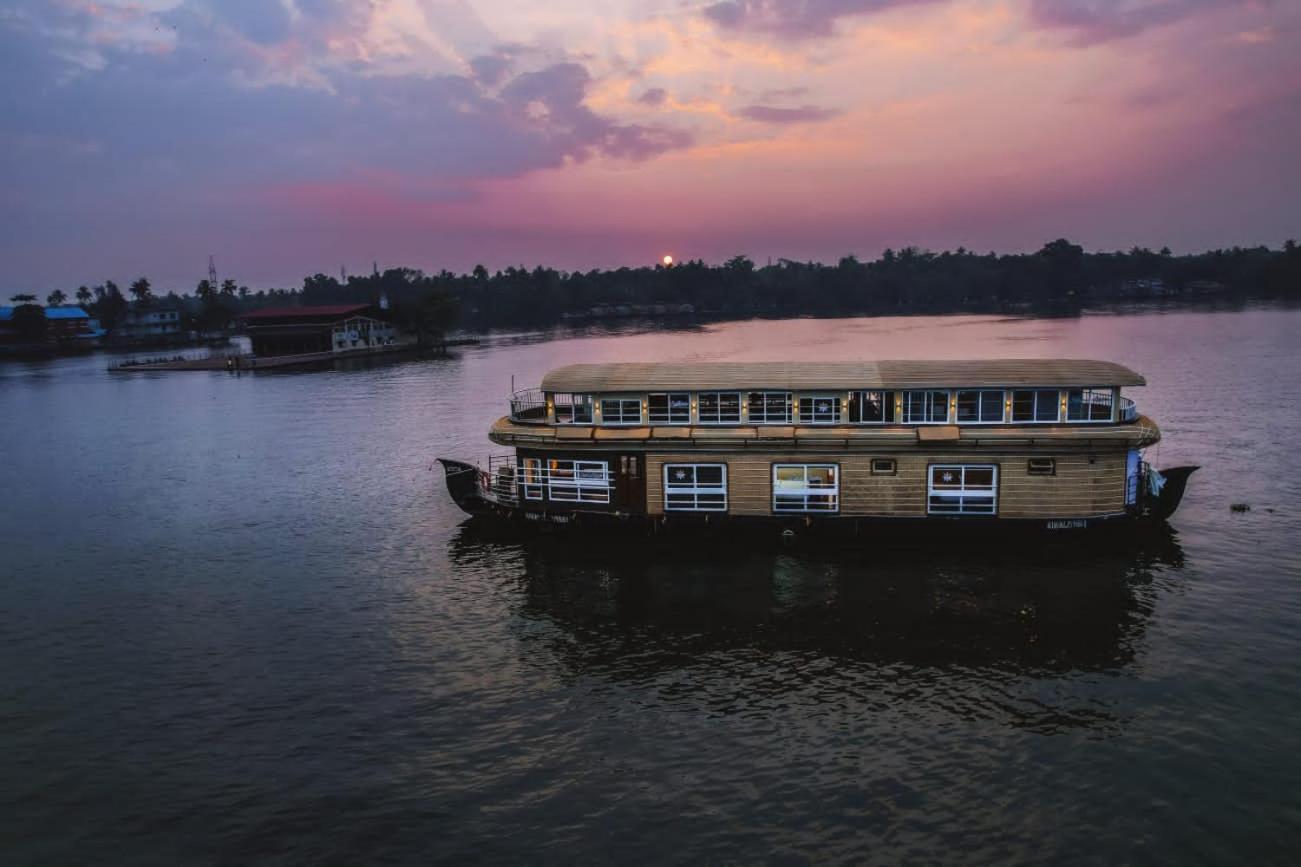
(1027, 444)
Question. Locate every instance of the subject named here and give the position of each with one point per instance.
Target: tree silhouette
(142, 291)
(22, 298)
(83, 295)
(56, 298)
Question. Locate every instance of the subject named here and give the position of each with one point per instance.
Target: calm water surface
(241, 620)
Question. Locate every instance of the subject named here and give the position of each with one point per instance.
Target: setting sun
(667, 260)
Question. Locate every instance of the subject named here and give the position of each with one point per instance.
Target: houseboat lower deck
(979, 446)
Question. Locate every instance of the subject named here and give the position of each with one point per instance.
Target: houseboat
(1048, 444)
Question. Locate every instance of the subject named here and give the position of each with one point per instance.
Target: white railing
(566, 482)
(1128, 410)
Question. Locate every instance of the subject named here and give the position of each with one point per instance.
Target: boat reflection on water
(1036, 608)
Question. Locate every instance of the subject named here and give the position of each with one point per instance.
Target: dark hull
(466, 484)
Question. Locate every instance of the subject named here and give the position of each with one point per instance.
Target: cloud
(776, 114)
(259, 20)
(795, 19)
(653, 97)
(1089, 22)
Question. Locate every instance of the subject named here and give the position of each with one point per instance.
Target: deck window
(695, 487)
(805, 488)
(672, 408)
(962, 489)
(621, 411)
(769, 407)
(719, 407)
(531, 478)
(820, 409)
(925, 407)
(1088, 404)
(980, 407)
(573, 408)
(1035, 405)
(578, 481)
(871, 407)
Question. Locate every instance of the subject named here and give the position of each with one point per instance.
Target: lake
(241, 619)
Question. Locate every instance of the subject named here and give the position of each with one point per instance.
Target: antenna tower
(212, 275)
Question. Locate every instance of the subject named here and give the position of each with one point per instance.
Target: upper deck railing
(528, 405)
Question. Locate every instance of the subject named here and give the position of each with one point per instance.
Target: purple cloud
(795, 19)
(776, 114)
(653, 97)
(1089, 22)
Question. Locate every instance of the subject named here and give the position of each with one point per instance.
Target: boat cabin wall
(1069, 485)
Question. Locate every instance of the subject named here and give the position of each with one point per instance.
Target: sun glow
(667, 260)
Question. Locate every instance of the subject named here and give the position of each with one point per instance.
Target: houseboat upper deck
(1046, 441)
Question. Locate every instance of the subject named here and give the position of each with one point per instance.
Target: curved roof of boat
(838, 375)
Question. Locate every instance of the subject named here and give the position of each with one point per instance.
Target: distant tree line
(1061, 275)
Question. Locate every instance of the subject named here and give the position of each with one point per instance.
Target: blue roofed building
(66, 328)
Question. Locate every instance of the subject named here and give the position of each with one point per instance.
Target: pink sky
(292, 136)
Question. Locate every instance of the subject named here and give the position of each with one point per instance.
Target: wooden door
(630, 483)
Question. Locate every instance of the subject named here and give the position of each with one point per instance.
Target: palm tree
(83, 295)
(142, 291)
(56, 298)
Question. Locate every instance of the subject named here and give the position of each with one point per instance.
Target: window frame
(586, 488)
(983, 494)
(749, 407)
(1057, 406)
(891, 470)
(837, 413)
(621, 415)
(857, 402)
(531, 479)
(806, 491)
(694, 490)
(930, 394)
(1049, 470)
(1085, 390)
(669, 408)
(1003, 409)
(717, 412)
(589, 402)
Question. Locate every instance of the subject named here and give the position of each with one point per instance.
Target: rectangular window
(719, 407)
(1088, 404)
(1035, 405)
(770, 407)
(1041, 467)
(695, 487)
(962, 489)
(578, 481)
(980, 407)
(621, 410)
(871, 407)
(530, 477)
(672, 408)
(573, 408)
(925, 407)
(883, 467)
(820, 409)
(805, 488)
